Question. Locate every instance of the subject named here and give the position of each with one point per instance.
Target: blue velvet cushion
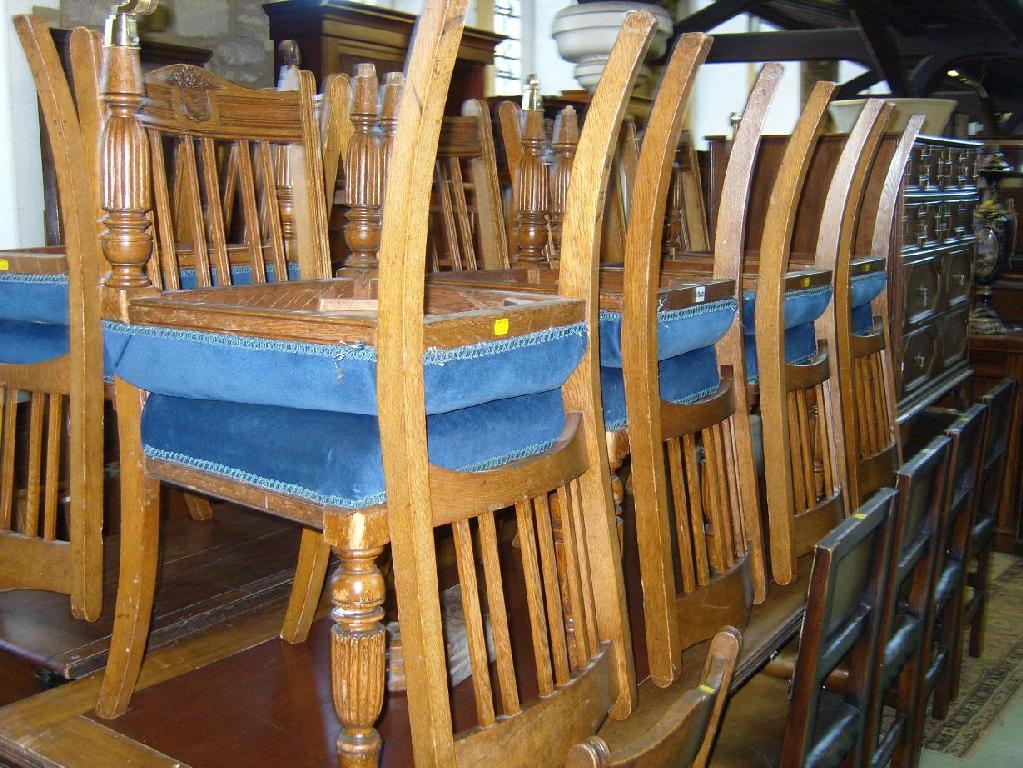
(26, 343)
(34, 298)
(863, 289)
(241, 274)
(802, 307)
(687, 361)
(678, 330)
(684, 378)
(334, 458)
(326, 377)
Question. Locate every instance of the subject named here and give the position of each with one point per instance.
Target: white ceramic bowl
(585, 33)
(936, 113)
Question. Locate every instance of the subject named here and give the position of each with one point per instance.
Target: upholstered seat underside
(333, 458)
(25, 343)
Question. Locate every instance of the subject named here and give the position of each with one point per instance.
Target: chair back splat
(712, 559)
(598, 675)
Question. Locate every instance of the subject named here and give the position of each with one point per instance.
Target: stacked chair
(461, 432)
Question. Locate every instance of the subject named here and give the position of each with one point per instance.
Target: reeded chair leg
(310, 571)
(140, 542)
(358, 642)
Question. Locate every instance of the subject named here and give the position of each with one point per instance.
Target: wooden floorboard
(210, 572)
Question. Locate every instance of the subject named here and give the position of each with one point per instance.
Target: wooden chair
(351, 503)
(908, 603)
(467, 224)
(685, 226)
(799, 405)
(51, 356)
(858, 330)
(992, 472)
(799, 722)
(683, 735)
(701, 553)
(965, 432)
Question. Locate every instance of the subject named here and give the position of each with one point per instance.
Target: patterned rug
(989, 682)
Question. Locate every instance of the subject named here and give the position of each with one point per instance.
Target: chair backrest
(40, 558)
(799, 404)
(577, 689)
(696, 521)
(468, 229)
(866, 379)
(183, 122)
(682, 737)
(999, 400)
(916, 544)
(841, 624)
(967, 437)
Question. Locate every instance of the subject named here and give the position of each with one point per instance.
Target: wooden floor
(212, 571)
(238, 695)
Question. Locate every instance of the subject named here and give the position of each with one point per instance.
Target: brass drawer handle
(924, 292)
(921, 361)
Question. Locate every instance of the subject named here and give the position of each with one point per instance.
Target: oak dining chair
(300, 367)
(51, 359)
(800, 722)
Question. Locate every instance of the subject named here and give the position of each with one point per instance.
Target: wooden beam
(851, 88)
(883, 48)
(796, 45)
(716, 13)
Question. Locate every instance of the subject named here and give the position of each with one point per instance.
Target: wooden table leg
(358, 643)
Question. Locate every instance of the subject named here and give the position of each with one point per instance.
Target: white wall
(542, 56)
(21, 180)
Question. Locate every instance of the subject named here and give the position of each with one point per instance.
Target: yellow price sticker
(501, 327)
(4, 265)
(706, 688)
(859, 516)
(806, 282)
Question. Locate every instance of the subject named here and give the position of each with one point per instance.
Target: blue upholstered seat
(687, 359)
(333, 458)
(24, 343)
(863, 289)
(802, 307)
(338, 377)
(241, 274)
(34, 298)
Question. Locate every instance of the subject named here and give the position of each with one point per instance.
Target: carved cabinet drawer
(918, 351)
(954, 330)
(957, 272)
(961, 219)
(920, 289)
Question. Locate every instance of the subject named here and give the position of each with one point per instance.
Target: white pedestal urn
(585, 33)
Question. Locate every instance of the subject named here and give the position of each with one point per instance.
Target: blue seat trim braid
(333, 377)
(34, 298)
(28, 343)
(678, 330)
(334, 458)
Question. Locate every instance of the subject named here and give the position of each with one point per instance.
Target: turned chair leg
(310, 572)
(357, 643)
(140, 540)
